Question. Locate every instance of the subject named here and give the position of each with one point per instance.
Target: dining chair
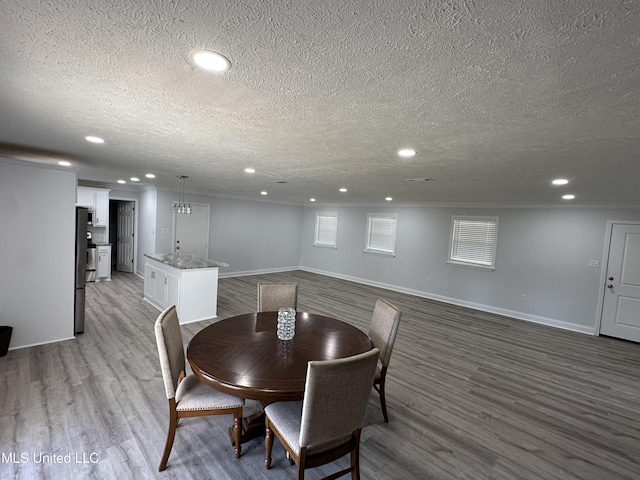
(382, 332)
(188, 397)
(273, 296)
(326, 424)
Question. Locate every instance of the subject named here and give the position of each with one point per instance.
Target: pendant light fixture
(181, 206)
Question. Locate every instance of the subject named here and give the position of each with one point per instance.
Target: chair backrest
(336, 396)
(273, 296)
(170, 349)
(384, 328)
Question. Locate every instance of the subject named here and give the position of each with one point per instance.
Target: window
(326, 230)
(381, 233)
(473, 241)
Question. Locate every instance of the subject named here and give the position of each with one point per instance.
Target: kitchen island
(186, 281)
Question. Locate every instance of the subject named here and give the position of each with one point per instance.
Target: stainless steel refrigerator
(82, 219)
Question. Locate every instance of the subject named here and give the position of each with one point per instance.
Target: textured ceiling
(497, 97)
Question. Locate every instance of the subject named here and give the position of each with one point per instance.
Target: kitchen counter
(184, 261)
(186, 281)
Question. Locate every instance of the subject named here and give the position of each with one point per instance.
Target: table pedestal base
(252, 427)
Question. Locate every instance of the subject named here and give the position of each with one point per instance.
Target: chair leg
(302, 463)
(383, 401)
(268, 443)
(355, 457)
(237, 431)
(171, 434)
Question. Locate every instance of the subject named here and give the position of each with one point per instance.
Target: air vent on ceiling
(282, 181)
(418, 180)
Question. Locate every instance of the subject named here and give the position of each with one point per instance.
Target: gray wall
(542, 253)
(252, 237)
(37, 251)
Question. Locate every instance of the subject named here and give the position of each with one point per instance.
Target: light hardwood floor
(470, 396)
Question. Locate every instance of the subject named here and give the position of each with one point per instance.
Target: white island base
(189, 283)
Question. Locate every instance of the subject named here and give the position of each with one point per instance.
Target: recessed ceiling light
(263, 193)
(92, 139)
(121, 181)
(210, 60)
(568, 197)
(388, 199)
(343, 190)
(312, 199)
(560, 181)
(250, 170)
(134, 179)
(64, 163)
(150, 175)
(406, 152)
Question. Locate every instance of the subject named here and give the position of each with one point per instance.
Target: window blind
(381, 234)
(326, 229)
(473, 241)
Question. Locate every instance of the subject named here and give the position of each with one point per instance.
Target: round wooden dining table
(243, 356)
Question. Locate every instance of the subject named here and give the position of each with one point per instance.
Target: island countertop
(184, 261)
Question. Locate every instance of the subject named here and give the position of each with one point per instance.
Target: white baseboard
(552, 322)
(198, 320)
(43, 343)
(258, 272)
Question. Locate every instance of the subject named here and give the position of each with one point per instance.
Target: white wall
(37, 252)
(542, 253)
(147, 234)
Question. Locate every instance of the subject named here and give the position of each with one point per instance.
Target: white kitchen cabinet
(101, 215)
(154, 282)
(104, 262)
(98, 200)
(150, 275)
(193, 290)
(161, 288)
(85, 198)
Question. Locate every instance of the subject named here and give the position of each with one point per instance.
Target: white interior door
(192, 231)
(125, 243)
(621, 304)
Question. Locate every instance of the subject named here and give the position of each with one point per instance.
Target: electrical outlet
(523, 298)
(594, 263)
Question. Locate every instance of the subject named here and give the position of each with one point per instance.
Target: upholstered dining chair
(326, 424)
(273, 296)
(188, 397)
(382, 332)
